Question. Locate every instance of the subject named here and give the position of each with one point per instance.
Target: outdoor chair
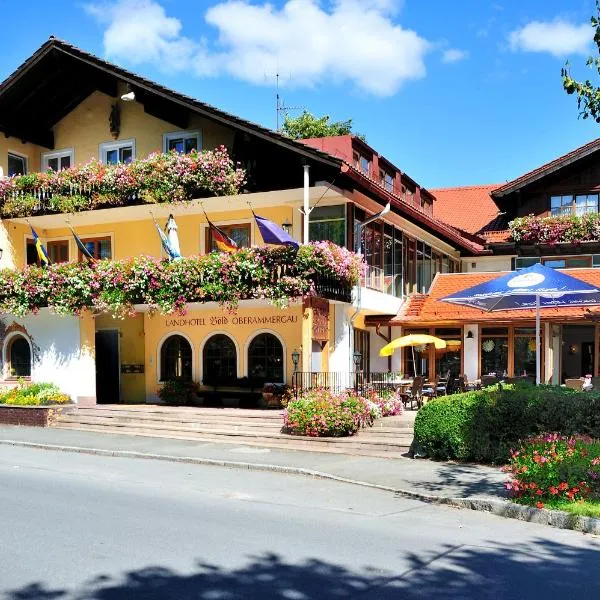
(438, 388)
(487, 380)
(415, 394)
(574, 384)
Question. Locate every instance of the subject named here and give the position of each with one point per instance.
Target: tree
(309, 126)
(588, 94)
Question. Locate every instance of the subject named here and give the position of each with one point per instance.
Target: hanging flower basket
(488, 345)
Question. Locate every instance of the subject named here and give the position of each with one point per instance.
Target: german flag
(41, 251)
(223, 242)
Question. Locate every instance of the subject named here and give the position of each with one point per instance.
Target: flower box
(31, 416)
(568, 229)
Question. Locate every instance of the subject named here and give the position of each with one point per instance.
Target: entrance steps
(390, 437)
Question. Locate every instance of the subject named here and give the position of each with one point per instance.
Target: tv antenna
(280, 106)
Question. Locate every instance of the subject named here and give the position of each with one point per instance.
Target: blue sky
(454, 93)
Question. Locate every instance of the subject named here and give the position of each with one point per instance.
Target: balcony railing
(374, 278)
(338, 382)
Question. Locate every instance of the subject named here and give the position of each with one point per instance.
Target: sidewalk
(421, 478)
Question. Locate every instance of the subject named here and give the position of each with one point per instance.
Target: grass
(584, 508)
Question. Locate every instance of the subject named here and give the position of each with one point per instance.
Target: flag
(223, 242)
(166, 244)
(273, 234)
(41, 251)
(84, 251)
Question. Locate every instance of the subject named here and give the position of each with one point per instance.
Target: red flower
(540, 505)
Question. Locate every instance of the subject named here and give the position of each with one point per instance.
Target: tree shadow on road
(538, 569)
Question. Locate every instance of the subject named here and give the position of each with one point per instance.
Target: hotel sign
(219, 320)
(320, 323)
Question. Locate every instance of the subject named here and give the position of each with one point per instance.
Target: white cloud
(558, 37)
(353, 41)
(453, 55)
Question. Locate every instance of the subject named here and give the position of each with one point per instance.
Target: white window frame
(46, 156)
(186, 134)
(108, 146)
(18, 155)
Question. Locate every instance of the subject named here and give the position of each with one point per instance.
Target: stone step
(208, 413)
(232, 431)
(329, 445)
(191, 420)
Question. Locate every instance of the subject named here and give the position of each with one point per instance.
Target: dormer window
(362, 163)
(573, 204)
(386, 179)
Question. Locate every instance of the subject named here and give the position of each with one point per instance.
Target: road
(88, 527)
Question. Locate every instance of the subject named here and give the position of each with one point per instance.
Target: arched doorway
(265, 358)
(176, 359)
(219, 359)
(18, 356)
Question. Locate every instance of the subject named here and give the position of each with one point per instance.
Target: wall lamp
(129, 95)
(295, 359)
(357, 358)
(1, 251)
(470, 335)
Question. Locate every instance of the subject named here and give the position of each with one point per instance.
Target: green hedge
(483, 425)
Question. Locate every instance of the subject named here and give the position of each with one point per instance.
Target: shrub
(320, 412)
(553, 467)
(178, 391)
(34, 394)
(484, 425)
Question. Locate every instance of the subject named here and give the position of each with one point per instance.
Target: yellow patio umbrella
(412, 340)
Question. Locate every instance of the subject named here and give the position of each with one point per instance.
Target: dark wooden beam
(165, 111)
(44, 138)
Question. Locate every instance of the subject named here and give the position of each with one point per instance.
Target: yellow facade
(242, 326)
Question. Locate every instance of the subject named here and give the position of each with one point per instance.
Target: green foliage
(320, 412)
(179, 392)
(588, 93)
(308, 126)
(34, 394)
(552, 467)
(484, 425)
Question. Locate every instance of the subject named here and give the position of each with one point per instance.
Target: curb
(500, 508)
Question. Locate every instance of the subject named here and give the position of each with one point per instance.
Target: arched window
(176, 359)
(219, 358)
(18, 356)
(265, 358)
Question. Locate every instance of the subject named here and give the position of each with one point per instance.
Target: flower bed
(170, 177)
(388, 402)
(553, 469)
(320, 412)
(555, 230)
(34, 394)
(273, 274)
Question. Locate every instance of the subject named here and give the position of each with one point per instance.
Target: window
(387, 180)
(99, 248)
(416, 358)
(568, 262)
(265, 358)
(524, 262)
(239, 233)
(328, 223)
(182, 141)
(18, 357)
(58, 251)
(176, 359)
(361, 162)
(573, 204)
(524, 351)
(219, 359)
(112, 153)
(448, 359)
(57, 161)
(494, 350)
(17, 165)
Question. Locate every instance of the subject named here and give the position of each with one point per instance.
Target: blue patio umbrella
(535, 287)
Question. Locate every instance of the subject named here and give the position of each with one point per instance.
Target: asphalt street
(81, 527)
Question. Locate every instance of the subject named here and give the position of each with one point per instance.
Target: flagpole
(538, 358)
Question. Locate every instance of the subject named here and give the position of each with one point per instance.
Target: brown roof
(429, 309)
(468, 208)
(548, 168)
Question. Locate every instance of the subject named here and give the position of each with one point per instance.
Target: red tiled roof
(428, 308)
(561, 161)
(468, 208)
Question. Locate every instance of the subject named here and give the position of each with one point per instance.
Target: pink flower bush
(387, 401)
(555, 230)
(275, 274)
(321, 412)
(170, 177)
